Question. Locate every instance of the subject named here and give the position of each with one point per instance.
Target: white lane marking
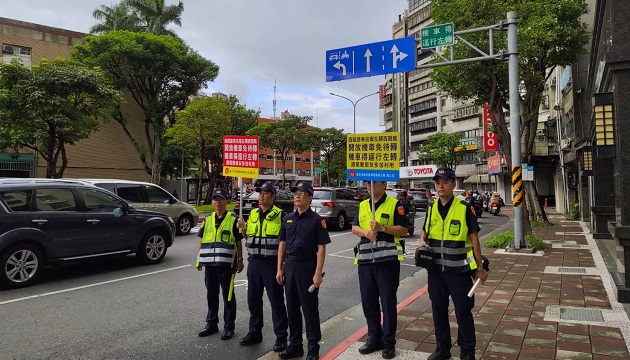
(92, 285)
(340, 234)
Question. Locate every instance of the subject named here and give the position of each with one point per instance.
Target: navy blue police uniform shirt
(471, 218)
(399, 219)
(303, 233)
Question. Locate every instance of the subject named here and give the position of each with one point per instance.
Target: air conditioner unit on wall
(7, 49)
(565, 143)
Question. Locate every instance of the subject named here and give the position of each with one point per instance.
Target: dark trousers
(298, 277)
(215, 277)
(261, 275)
(457, 285)
(380, 280)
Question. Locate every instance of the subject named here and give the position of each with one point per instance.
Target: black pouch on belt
(424, 257)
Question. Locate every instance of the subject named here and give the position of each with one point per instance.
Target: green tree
(115, 17)
(550, 33)
(202, 125)
(328, 142)
(284, 137)
(160, 74)
(55, 104)
(443, 149)
(336, 168)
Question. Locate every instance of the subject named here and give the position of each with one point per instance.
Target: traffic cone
(546, 203)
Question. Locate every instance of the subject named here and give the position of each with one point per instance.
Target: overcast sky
(255, 42)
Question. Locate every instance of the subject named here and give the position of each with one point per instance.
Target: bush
(574, 211)
(503, 240)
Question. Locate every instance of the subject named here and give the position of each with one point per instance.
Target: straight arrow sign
(367, 56)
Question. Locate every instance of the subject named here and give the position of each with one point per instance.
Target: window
(422, 108)
(130, 192)
(54, 199)
(423, 126)
(106, 186)
(100, 202)
(19, 200)
(157, 195)
(414, 4)
(22, 53)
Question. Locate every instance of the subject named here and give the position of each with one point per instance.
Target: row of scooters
(485, 202)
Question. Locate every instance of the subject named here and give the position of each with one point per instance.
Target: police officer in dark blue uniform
(263, 228)
(301, 256)
(221, 254)
(378, 255)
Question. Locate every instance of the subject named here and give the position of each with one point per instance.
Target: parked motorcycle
(495, 208)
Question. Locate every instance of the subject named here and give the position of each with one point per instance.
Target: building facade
(107, 153)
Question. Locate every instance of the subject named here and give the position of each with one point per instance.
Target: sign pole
(240, 197)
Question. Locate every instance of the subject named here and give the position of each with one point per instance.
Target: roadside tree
(328, 142)
(550, 33)
(151, 16)
(443, 149)
(52, 105)
(159, 73)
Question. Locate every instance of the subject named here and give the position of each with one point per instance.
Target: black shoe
(370, 347)
(388, 353)
(280, 345)
(209, 330)
(312, 357)
(291, 352)
(441, 353)
(467, 354)
(227, 334)
(251, 338)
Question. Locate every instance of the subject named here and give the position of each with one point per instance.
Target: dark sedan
(284, 200)
(421, 198)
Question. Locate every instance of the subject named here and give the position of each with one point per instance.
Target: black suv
(44, 221)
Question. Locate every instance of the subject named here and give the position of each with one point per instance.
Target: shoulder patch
(324, 224)
(401, 210)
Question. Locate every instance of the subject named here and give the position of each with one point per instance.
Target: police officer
(220, 253)
(379, 254)
(301, 255)
(263, 227)
(451, 231)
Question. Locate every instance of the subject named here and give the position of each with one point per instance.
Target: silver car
(338, 206)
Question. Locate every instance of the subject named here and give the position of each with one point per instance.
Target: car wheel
(341, 221)
(21, 265)
(184, 225)
(152, 247)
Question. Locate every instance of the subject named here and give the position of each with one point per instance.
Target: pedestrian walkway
(556, 304)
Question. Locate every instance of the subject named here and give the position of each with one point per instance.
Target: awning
(480, 179)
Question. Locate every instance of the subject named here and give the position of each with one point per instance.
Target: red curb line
(344, 345)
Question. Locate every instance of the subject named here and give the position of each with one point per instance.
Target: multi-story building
(106, 153)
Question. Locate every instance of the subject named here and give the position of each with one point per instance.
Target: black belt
(301, 257)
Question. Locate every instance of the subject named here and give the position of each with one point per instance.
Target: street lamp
(354, 109)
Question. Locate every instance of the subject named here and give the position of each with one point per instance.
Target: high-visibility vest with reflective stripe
(218, 245)
(386, 247)
(262, 236)
(449, 238)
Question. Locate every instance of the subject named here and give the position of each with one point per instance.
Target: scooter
(495, 208)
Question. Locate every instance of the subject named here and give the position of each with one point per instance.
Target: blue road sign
(373, 175)
(384, 57)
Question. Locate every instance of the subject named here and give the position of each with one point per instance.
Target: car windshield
(252, 195)
(322, 194)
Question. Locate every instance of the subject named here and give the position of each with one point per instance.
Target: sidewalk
(556, 304)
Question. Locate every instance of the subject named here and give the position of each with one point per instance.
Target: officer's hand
(423, 243)
(375, 226)
(239, 266)
(371, 235)
(240, 223)
(481, 274)
(198, 267)
(280, 277)
(317, 280)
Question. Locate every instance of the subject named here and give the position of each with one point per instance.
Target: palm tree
(115, 17)
(155, 16)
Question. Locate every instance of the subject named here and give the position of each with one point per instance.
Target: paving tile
(416, 336)
(506, 339)
(574, 337)
(501, 348)
(574, 346)
(572, 355)
(544, 327)
(537, 352)
(499, 355)
(577, 329)
(406, 344)
(608, 346)
(426, 347)
(534, 342)
(520, 319)
(606, 357)
(608, 332)
(541, 334)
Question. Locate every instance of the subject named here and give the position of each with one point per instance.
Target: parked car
(421, 197)
(44, 221)
(284, 200)
(147, 196)
(362, 191)
(338, 206)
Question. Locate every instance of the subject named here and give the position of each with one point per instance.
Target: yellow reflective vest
(449, 238)
(262, 236)
(386, 247)
(218, 245)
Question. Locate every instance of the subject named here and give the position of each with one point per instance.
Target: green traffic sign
(437, 35)
(319, 170)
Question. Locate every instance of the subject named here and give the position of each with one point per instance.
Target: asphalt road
(116, 309)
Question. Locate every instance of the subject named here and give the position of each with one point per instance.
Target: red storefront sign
(490, 138)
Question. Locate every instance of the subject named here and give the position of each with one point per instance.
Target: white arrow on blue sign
(384, 57)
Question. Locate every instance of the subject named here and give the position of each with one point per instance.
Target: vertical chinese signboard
(490, 139)
(240, 156)
(373, 157)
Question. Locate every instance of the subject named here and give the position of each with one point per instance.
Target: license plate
(248, 205)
